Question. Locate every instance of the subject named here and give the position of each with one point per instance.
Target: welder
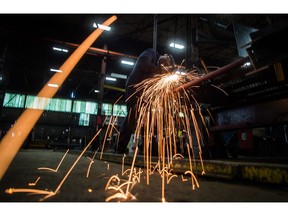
(148, 64)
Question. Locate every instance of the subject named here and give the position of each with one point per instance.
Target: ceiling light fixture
(53, 85)
(127, 62)
(120, 76)
(59, 49)
(111, 79)
(56, 70)
(106, 28)
(177, 46)
(96, 91)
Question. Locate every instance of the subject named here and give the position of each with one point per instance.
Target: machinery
(248, 98)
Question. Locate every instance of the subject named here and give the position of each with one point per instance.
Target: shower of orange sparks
(14, 138)
(159, 114)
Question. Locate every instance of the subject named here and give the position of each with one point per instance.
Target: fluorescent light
(247, 64)
(181, 73)
(106, 28)
(127, 62)
(96, 91)
(59, 49)
(111, 78)
(53, 85)
(120, 76)
(56, 48)
(56, 70)
(178, 46)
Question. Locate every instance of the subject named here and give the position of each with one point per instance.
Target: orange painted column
(13, 140)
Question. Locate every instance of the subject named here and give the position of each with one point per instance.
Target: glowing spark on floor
(139, 173)
(116, 196)
(155, 167)
(131, 172)
(25, 190)
(194, 178)
(91, 162)
(34, 183)
(191, 169)
(89, 167)
(126, 171)
(169, 179)
(123, 158)
(183, 179)
(111, 179)
(178, 156)
(55, 170)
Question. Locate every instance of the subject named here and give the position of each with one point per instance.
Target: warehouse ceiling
(27, 41)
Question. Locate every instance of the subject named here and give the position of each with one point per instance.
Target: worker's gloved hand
(166, 62)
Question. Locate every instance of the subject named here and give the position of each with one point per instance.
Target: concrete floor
(78, 188)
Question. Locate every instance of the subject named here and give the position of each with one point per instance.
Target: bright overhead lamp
(180, 72)
(106, 28)
(53, 85)
(96, 91)
(111, 79)
(247, 64)
(55, 70)
(59, 49)
(177, 46)
(127, 62)
(120, 76)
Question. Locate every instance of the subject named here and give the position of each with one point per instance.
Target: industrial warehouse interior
(223, 136)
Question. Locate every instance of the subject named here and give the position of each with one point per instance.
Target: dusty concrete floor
(78, 188)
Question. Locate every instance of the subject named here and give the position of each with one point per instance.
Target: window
(84, 119)
(106, 109)
(52, 104)
(13, 100)
(60, 105)
(85, 107)
(119, 110)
